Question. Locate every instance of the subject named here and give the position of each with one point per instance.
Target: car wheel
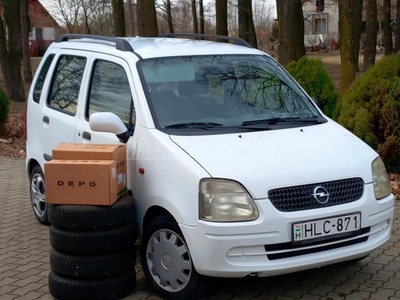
(38, 195)
(92, 266)
(93, 217)
(167, 263)
(92, 289)
(93, 242)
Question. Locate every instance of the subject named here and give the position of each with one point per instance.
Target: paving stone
(370, 286)
(393, 283)
(359, 296)
(272, 294)
(383, 293)
(7, 297)
(7, 289)
(7, 281)
(333, 296)
(139, 295)
(346, 288)
(393, 266)
(296, 292)
(383, 275)
(46, 297)
(322, 289)
(21, 291)
(30, 296)
(309, 297)
(383, 259)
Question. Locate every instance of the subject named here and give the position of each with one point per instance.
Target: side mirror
(107, 122)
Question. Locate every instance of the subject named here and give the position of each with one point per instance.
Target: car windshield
(223, 91)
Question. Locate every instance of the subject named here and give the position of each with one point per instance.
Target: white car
(234, 169)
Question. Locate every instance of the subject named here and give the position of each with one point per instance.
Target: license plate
(323, 229)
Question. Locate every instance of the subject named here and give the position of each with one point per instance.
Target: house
(44, 28)
(321, 23)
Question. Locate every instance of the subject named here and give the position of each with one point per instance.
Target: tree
(290, 31)
(26, 58)
(221, 11)
(10, 49)
(201, 11)
(371, 34)
(132, 21)
(67, 12)
(169, 17)
(147, 18)
(246, 24)
(387, 26)
(350, 22)
(194, 14)
(397, 33)
(119, 17)
(86, 14)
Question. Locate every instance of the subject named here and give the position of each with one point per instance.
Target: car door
(58, 105)
(109, 90)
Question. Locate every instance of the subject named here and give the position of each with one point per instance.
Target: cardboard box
(96, 152)
(81, 182)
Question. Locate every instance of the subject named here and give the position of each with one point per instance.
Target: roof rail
(235, 40)
(120, 44)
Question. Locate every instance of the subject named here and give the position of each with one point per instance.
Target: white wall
(331, 11)
(48, 34)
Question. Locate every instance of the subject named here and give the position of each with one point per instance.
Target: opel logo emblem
(321, 195)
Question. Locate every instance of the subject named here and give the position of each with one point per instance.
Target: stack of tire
(93, 250)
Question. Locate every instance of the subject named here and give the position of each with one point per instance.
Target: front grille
(297, 250)
(301, 197)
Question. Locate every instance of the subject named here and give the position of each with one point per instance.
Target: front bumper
(258, 247)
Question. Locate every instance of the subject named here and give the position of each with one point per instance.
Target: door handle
(86, 135)
(46, 119)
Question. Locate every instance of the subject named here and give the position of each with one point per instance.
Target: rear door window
(66, 84)
(37, 91)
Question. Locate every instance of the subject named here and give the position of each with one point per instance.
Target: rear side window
(110, 92)
(66, 83)
(37, 91)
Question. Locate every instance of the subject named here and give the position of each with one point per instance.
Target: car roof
(148, 47)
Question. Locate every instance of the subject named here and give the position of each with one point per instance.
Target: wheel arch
(153, 213)
(30, 165)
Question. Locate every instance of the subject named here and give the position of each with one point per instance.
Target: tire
(90, 217)
(92, 267)
(153, 262)
(96, 289)
(93, 242)
(38, 195)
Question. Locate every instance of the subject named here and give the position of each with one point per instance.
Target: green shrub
(4, 103)
(314, 79)
(371, 109)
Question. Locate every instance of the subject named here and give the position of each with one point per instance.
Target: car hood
(265, 160)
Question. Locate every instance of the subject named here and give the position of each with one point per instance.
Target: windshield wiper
(272, 121)
(314, 119)
(200, 125)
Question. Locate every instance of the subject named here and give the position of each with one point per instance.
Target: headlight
(222, 200)
(380, 178)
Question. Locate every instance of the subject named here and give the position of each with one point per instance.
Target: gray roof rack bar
(235, 40)
(120, 44)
